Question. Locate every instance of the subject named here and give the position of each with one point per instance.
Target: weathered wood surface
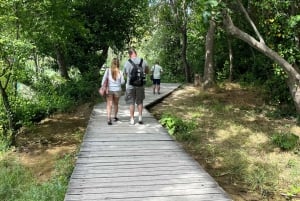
(125, 162)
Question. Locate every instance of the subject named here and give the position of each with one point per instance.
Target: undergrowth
(17, 183)
(181, 130)
(230, 132)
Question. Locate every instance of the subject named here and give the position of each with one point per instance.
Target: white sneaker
(131, 121)
(140, 120)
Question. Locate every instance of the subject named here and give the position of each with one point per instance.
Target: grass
(234, 140)
(17, 183)
(39, 166)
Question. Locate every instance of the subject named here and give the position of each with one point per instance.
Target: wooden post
(197, 80)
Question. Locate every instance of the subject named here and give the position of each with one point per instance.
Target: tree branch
(251, 22)
(260, 46)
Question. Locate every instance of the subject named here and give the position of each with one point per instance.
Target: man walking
(156, 72)
(135, 93)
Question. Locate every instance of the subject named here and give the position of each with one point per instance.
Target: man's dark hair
(131, 51)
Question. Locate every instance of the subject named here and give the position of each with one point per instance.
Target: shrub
(286, 141)
(177, 127)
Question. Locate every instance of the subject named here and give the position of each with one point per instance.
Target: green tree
(70, 33)
(289, 68)
(109, 24)
(170, 39)
(13, 54)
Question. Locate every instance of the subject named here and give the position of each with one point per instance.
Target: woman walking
(115, 80)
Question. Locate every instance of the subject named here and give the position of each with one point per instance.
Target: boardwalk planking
(126, 162)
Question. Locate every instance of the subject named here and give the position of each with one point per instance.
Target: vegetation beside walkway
(250, 148)
(231, 131)
(39, 166)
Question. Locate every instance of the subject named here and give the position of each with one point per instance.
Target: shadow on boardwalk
(137, 162)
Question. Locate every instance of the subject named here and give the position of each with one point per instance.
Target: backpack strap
(141, 62)
(134, 65)
(131, 62)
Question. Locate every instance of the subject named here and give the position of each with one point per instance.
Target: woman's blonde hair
(115, 66)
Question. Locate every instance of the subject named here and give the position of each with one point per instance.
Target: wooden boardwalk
(126, 162)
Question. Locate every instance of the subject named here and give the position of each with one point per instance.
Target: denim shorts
(115, 93)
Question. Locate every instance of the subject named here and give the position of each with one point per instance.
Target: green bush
(177, 127)
(286, 141)
(5, 140)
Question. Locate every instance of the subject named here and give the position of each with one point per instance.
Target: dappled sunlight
(295, 129)
(240, 137)
(235, 133)
(233, 138)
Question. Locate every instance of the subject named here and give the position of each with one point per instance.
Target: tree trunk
(197, 80)
(291, 71)
(230, 59)
(186, 65)
(180, 16)
(36, 63)
(62, 64)
(12, 126)
(209, 71)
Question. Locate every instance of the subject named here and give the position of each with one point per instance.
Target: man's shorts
(156, 81)
(135, 95)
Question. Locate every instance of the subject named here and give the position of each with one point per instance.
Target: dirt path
(40, 146)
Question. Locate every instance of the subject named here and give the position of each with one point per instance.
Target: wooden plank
(137, 143)
(132, 169)
(141, 185)
(115, 153)
(87, 163)
(135, 160)
(142, 188)
(149, 147)
(145, 192)
(121, 187)
(126, 137)
(135, 129)
(175, 197)
(137, 173)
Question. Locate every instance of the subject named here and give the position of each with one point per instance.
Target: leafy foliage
(38, 35)
(286, 141)
(177, 127)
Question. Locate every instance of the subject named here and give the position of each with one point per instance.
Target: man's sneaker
(140, 120)
(131, 121)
